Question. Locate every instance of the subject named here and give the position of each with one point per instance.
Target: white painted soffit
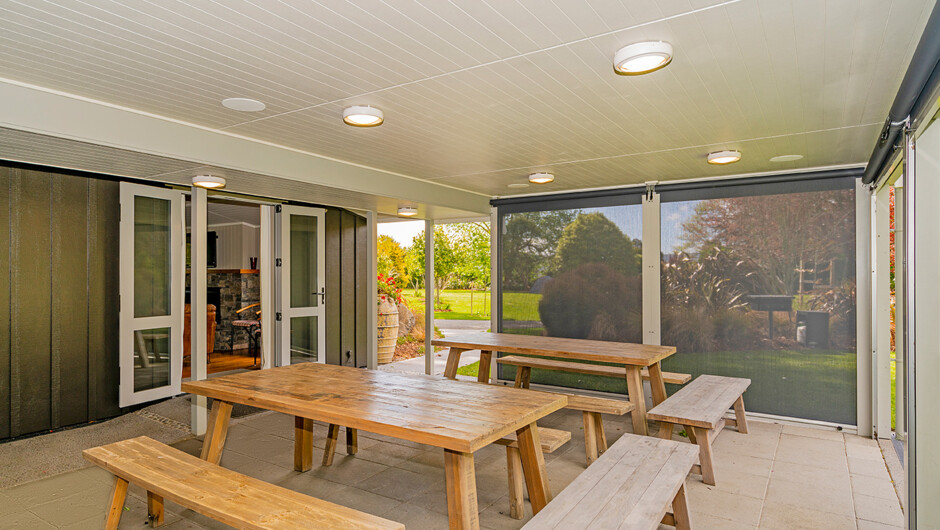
(38, 110)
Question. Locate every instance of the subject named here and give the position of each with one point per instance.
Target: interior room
(519, 264)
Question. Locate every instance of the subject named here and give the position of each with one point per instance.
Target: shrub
(592, 301)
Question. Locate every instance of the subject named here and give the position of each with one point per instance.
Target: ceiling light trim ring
(721, 158)
(209, 182)
(643, 57)
(363, 116)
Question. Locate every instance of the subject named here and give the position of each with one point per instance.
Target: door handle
(322, 295)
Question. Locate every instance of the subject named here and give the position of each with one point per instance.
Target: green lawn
(516, 306)
(813, 384)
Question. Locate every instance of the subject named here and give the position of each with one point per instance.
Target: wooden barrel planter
(388, 331)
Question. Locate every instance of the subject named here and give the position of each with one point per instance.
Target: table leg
(533, 467)
(462, 509)
(523, 375)
(638, 398)
(352, 441)
(483, 374)
(657, 384)
(303, 444)
(590, 436)
(330, 449)
(453, 361)
(218, 430)
(116, 509)
(155, 512)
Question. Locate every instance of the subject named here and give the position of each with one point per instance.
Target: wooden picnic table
(459, 417)
(633, 357)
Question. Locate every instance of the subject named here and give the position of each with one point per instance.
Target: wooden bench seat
(216, 492)
(551, 439)
(700, 407)
(586, 368)
(638, 483)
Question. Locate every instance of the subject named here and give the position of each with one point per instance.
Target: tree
(471, 242)
(445, 259)
(391, 260)
(776, 233)
(528, 243)
(593, 238)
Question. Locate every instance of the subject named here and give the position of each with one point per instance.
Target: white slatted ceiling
(479, 93)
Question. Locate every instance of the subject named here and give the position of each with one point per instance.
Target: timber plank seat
(633, 358)
(551, 440)
(639, 483)
(588, 369)
(221, 494)
(700, 407)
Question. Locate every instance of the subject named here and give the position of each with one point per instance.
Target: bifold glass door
(151, 283)
(301, 330)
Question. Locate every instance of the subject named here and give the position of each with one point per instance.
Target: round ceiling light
(541, 178)
(209, 182)
(642, 57)
(363, 116)
(407, 211)
(518, 185)
(243, 104)
(786, 158)
(724, 157)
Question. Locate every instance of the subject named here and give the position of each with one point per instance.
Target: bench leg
(352, 441)
(680, 510)
(330, 448)
(599, 433)
(117, 503)
(704, 453)
(635, 389)
(739, 418)
(154, 509)
(657, 385)
(523, 374)
(516, 483)
(483, 372)
(303, 444)
(533, 465)
(590, 440)
(462, 507)
(217, 431)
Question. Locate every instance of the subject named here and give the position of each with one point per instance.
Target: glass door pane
(151, 293)
(301, 334)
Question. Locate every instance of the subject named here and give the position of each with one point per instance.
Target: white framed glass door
(151, 281)
(302, 317)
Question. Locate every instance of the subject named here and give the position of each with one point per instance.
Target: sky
(401, 231)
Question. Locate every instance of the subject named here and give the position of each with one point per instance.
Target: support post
(268, 294)
(197, 298)
(652, 243)
(428, 296)
(495, 285)
(372, 342)
(881, 314)
(863, 313)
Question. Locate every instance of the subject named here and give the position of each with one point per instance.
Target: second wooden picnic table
(633, 357)
(458, 417)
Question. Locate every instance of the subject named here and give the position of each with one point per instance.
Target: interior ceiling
(477, 94)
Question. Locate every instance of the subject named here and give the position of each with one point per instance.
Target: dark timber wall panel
(31, 365)
(69, 300)
(362, 293)
(5, 255)
(58, 299)
(346, 325)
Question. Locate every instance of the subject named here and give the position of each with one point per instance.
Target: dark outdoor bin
(817, 327)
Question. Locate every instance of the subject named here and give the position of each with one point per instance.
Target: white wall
(926, 355)
(236, 243)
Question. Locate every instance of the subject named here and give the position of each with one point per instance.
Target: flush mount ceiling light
(363, 116)
(407, 211)
(243, 104)
(518, 185)
(541, 178)
(642, 57)
(209, 182)
(786, 158)
(724, 157)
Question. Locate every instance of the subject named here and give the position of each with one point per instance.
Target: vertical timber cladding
(346, 317)
(5, 248)
(58, 299)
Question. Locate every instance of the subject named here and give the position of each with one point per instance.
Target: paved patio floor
(778, 476)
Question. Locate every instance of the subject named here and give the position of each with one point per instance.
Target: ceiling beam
(39, 110)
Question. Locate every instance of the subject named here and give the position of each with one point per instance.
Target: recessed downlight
(541, 178)
(209, 182)
(243, 104)
(363, 116)
(518, 185)
(407, 211)
(724, 157)
(642, 57)
(786, 158)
